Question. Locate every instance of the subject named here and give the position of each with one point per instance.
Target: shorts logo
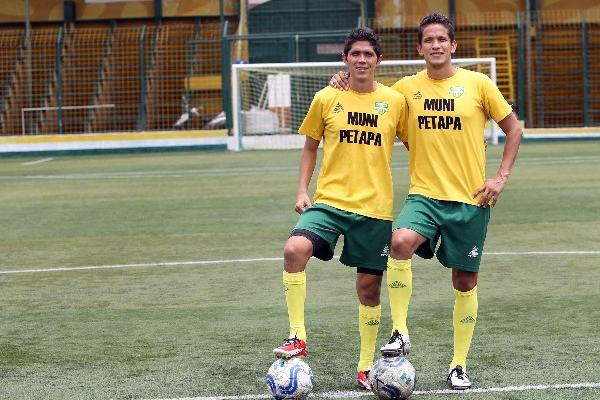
(372, 322)
(381, 107)
(474, 253)
(468, 320)
(386, 251)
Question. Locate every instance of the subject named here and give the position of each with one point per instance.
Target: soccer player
(354, 193)
(449, 196)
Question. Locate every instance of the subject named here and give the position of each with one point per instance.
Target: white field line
(237, 171)
(357, 394)
(262, 259)
(43, 160)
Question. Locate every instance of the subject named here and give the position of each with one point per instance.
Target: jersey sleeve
(494, 103)
(402, 126)
(399, 86)
(313, 124)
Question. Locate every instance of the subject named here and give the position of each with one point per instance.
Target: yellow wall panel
(52, 10)
(484, 6)
(569, 5)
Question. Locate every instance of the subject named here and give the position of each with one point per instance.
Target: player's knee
(296, 252)
(403, 247)
(368, 289)
(464, 281)
(369, 296)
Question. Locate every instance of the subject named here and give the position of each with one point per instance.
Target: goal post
(269, 101)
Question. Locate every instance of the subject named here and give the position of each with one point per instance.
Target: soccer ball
(290, 379)
(393, 378)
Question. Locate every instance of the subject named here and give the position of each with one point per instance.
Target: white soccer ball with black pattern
(290, 379)
(393, 378)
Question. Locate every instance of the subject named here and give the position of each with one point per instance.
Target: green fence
(135, 77)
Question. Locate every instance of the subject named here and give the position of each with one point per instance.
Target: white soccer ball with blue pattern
(393, 378)
(290, 379)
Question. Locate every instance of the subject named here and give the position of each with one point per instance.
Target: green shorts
(461, 227)
(366, 240)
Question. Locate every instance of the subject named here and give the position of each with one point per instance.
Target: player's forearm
(509, 156)
(511, 127)
(308, 161)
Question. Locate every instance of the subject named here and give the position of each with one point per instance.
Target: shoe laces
(397, 337)
(291, 340)
(460, 373)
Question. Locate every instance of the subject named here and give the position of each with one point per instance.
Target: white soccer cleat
(398, 345)
(458, 378)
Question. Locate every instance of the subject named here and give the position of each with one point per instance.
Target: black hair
(366, 34)
(436, 18)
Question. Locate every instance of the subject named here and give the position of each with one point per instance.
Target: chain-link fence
(110, 78)
(135, 77)
(547, 61)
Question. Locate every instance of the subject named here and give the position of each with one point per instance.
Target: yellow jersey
(358, 132)
(446, 123)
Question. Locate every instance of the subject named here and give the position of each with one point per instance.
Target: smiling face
(436, 47)
(361, 60)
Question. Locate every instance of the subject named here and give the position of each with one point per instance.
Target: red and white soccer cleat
(291, 347)
(363, 380)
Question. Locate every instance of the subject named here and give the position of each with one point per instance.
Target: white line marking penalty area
(261, 259)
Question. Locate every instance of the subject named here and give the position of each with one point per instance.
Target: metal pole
(452, 10)
(158, 12)
(585, 70)
(28, 54)
(521, 64)
(222, 13)
(59, 82)
(226, 72)
(529, 63)
(141, 123)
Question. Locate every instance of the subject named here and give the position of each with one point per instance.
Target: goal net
(269, 101)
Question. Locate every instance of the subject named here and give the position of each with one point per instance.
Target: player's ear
(379, 59)
(453, 46)
(420, 49)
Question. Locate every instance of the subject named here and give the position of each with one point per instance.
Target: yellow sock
(368, 325)
(464, 319)
(399, 283)
(294, 286)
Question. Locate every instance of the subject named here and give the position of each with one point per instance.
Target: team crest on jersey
(381, 107)
(457, 91)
